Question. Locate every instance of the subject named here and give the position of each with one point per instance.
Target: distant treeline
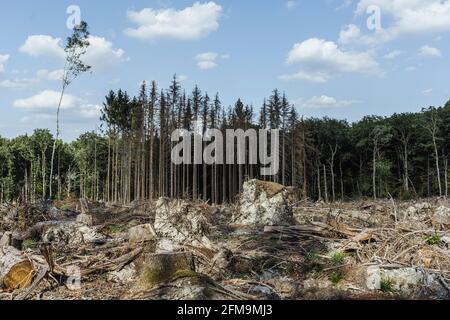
(403, 156)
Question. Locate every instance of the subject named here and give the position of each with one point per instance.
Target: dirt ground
(357, 250)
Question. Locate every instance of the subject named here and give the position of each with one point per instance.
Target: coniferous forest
(129, 158)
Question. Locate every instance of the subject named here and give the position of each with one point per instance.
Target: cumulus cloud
(43, 46)
(43, 106)
(3, 59)
(291, 4)
(323, 58)
(208, 60)
(47, 99)
(410, 69)
(41, 75)
(100, 54)
(326, 102)
(191, 23)
(427, 51)
(350, 34)
(393, 54)
(18, 83)
(410, 17)
(315, 77)
(90, 111)
(427, 92)
(54, 75)
(344, 4)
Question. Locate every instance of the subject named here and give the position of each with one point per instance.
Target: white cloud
(427, 92)
(393, 54)
(291, 4)
(325, 58)
(55, 75)
(411, 69)
(43, 46)
(315, 77)
(427, 51)
(326, 102)
(18, 83)
(90, 111)
(345, 4)
(3, 60)
(45, 100)
(182, 78)
(99, 55)
(207, 56)
(350, 34)
(205, 65)
(22, 83)
(410, 17)
(191, 23)
(208, 60)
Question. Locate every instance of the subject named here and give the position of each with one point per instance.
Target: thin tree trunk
(325, 182)
(436, 154)
(319, 188)
(374, 173)
(342, 181)
(56, 139)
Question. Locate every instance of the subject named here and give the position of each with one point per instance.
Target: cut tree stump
(165, 267)
(84, 206)
(141, 233)
(16, 270)
(11, 239)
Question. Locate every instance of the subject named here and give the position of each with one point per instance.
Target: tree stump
(16, 270)
(165, 267)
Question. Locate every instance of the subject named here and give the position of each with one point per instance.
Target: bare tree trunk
(374, 173)
(44, 187)
(446, 176)
(342, 181)
(325, 182)
(333, 155)
(319, 188)
(108, 171)
(428, 177)
(438, 172)
(406, 167)
(56, 138)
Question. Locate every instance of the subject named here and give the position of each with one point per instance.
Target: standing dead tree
(75, 49)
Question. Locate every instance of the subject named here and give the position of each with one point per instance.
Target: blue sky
(322, 53)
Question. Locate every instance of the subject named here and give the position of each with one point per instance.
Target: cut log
(16, 270)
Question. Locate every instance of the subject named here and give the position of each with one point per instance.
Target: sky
(338, 58)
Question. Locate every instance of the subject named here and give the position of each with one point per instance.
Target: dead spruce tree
(75, 49)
